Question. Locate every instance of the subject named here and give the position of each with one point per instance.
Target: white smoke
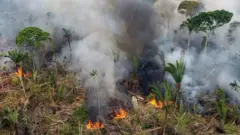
(215, 69)
(103, 27)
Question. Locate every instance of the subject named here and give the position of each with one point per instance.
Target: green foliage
(8, 117)
(35, 74)
(32, 36)
(188, 24)
(52, 79)
(189, 8)
(80, 114)
(67, 33)
(60, 92)
(177, 71)
(4, 68)
(136, 66)
(231, 128)
(15, 80)
(234, 85)
(67, 129)
(16, 56)
(181, 107)
(209, 21)
(93, 74)
(157, 90)
(221, 104)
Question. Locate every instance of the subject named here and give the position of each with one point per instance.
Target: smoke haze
(132, 28)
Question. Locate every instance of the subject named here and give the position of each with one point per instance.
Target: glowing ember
(20, 73)
(96, 125)
(121, 114)
(159, 104)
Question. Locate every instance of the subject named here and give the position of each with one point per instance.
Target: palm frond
(16, 56)
(234, 85)
(93, 74)
(177, 71)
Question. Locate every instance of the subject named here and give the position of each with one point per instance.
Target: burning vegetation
(121, 114)
(60, 97)
(20, 73)
(94, 125)
(159, 104)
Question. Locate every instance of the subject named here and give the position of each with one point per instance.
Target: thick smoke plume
(131, 28)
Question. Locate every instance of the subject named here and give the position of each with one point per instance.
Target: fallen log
(137, 96)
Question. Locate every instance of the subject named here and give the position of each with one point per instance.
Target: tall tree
(208, 22)
(190, 25)
(190, 8)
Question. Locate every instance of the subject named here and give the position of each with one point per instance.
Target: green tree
(31, 38)
(208, 22)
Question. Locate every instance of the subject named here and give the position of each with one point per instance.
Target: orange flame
(159, 104)
(19, 73)
(121, 114)
(95, 125)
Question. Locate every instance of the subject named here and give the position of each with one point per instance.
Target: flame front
(159, 104)
(95, 125)
(121, 114)
(20, 73)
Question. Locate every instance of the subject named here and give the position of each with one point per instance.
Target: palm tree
(165, 98)
(177, 71)
(16, 56)
(93, 75)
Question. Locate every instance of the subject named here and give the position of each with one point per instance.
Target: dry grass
(51, 112)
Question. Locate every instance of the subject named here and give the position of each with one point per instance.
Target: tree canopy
(209, 21)
(189, 8)
(32, 36)
(188, 24)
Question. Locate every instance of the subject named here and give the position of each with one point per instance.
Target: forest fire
(121, 114)
(159, 104)
(19, 73)
(96, 125)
